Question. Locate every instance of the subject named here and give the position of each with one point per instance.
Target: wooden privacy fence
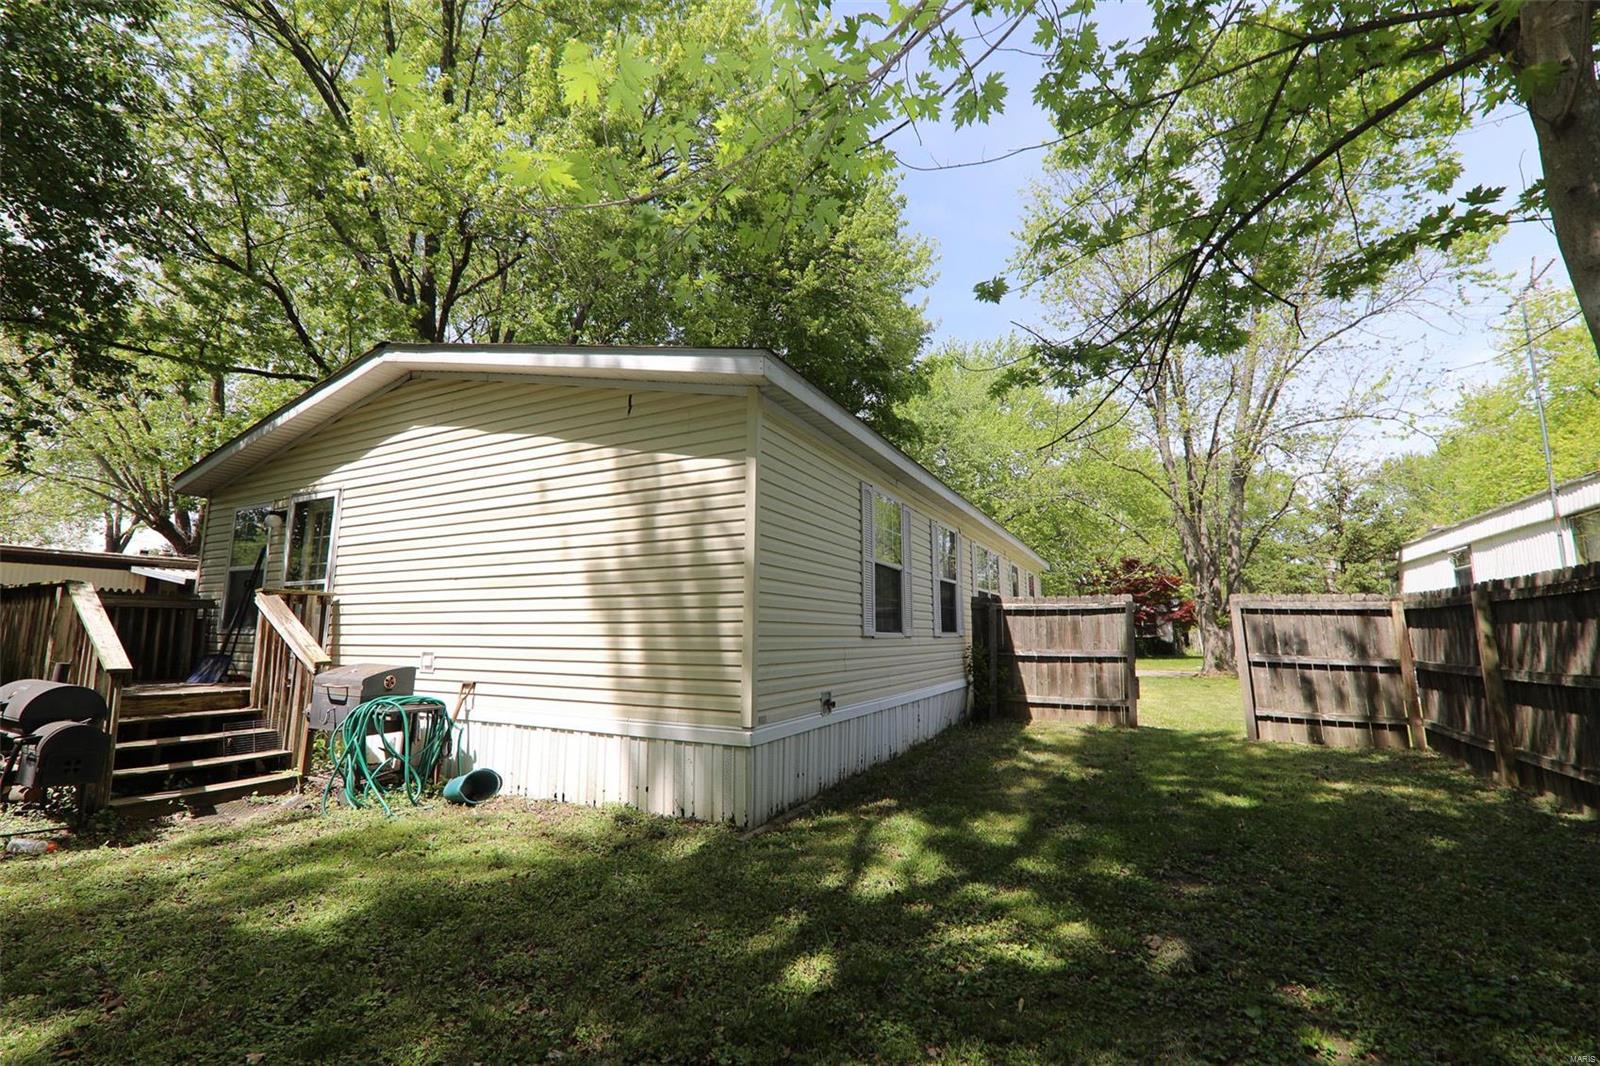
(1323, 670)
(1508, 678)
(1064, 658)
(1504, 677)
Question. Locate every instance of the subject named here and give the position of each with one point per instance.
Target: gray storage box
(337, 692)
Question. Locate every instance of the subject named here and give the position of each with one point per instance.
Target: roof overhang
(389, 365)
(25, 553)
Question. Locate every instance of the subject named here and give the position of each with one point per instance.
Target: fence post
(1408, 675)
(1494, 688)
(1241, 664)
(1130, 672)
(994, 658)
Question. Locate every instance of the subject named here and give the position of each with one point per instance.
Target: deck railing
(27, 615)
(165, 636)
(287, 659)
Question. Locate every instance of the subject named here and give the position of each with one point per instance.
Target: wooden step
(142, 701)
(194, 738)
(177, 716)
(210, 795)
(195, 764)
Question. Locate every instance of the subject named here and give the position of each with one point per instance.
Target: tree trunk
(1216, 639)
(1566, 120)
(183, 541)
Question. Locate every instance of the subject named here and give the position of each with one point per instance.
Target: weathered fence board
(1504, 677)
(1060, 658)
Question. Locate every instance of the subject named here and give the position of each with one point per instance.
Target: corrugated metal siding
(41, 574)
(691, 779)
(571, 549)
(1516, 540)
(808, 627)
(681, 779)
(792, 770)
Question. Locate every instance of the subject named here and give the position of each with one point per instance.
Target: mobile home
(681, 579)
(1526, 536)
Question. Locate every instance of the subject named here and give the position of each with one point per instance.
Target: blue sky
(972, 214)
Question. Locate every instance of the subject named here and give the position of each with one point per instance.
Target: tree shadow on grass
(1045, 893)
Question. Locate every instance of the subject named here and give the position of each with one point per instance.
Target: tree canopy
(1315, 90)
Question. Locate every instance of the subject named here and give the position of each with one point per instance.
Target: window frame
(1014, 579)
(985, 565)
(870, 562)
(937, 580)
(296, 502)
(1582, 526)
(265, 507)
(1456, 568)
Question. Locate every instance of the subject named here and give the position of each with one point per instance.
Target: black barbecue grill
(50, 734)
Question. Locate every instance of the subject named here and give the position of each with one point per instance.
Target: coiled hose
(414, 761)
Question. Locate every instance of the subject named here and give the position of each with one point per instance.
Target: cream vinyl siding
(574, 550)
(809, 598)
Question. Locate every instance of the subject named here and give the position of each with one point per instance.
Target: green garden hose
(414, 761)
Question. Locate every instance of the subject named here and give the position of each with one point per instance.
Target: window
(1461, 563)
(946, 581)
(1013, 580)
(1586, 536)
(885, 564)
(1033, 589)
(246, 565)
(310, 543)
(986, 570)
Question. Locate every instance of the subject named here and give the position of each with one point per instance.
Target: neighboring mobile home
(680, 578)
(1526, 536)
(108, 571)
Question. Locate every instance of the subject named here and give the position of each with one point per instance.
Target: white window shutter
(933, 570)
(868, 626)
(906, 613)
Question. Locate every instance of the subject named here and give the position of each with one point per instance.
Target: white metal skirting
(680, 778)
(791, 770)
(691, 779)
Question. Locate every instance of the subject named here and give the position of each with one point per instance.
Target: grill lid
(28, 704)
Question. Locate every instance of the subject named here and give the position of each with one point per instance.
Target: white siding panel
(809, 612)
(574, 550)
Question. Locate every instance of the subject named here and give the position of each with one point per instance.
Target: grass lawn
(1191, 663)
(1000, 894)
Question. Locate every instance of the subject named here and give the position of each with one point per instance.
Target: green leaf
(580, 82)
(993, 290)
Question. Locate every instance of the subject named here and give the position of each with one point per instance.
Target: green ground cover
(1000, 894)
